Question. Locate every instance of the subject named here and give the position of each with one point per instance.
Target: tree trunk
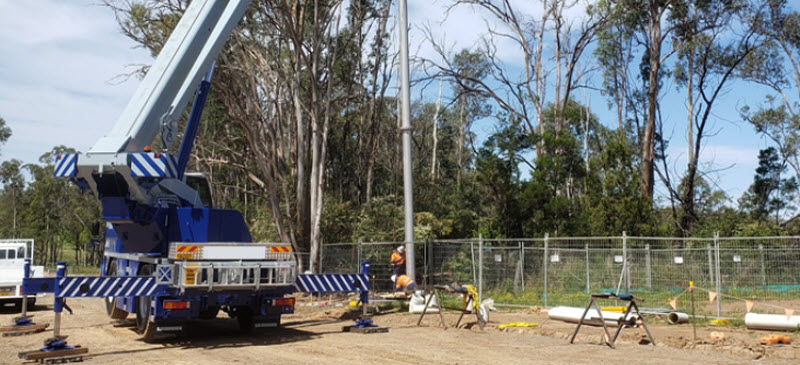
(436, 129)
(652, 101)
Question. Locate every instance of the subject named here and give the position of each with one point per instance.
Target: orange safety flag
(674, 303)
(789, 313)
(711, 296)
(748, 304)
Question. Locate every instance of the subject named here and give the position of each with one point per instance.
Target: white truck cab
(13, 253)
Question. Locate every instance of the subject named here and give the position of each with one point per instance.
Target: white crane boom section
(174, 76)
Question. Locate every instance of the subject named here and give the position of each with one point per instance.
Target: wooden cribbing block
(365, 329)
(20, 330)
(43, 355)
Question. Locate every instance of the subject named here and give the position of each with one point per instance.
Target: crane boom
(118, 165)
(173, 77)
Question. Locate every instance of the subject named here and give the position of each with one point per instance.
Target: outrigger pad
(365, 326)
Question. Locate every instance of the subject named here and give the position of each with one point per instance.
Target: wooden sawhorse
(612, 296)
(470, 300)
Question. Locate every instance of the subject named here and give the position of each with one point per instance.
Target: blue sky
(59, 60)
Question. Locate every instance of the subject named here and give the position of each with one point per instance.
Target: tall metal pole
(405, 115)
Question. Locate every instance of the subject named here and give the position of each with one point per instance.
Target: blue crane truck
(170, 254)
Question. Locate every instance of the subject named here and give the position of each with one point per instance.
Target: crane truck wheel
(209, 313)
(144, 326)
(111, 302)
(246, 322)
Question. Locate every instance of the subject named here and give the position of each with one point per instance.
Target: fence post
(625, 266)
(321, 248)
(588, 287)
(360, 255)
(719, 280)
(480, 267)
(429, 264)
(546, 257)
(647, 263)
(763, 269)
(472, 255)
(710, 264)
(522, 263)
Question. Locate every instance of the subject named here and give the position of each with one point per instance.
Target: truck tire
(111, 302)
(144, 326)
(246, 322)
(209, 313)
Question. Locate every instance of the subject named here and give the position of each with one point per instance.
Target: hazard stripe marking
(332, 283)
(107, 286)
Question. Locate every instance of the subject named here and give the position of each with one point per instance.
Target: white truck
(13, 253)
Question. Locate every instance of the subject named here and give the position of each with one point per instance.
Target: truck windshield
(200, 184)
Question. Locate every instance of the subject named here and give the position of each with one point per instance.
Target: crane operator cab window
(199, 182)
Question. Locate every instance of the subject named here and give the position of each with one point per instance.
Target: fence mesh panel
(564, 270)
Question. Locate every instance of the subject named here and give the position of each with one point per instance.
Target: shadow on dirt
(14, 309)
(223, 333)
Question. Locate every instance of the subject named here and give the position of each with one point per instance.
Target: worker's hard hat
(400, 249)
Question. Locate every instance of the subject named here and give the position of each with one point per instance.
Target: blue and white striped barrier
(150, 164)
(66, 165)
(107, 286)
(93, 286)
(332, 283)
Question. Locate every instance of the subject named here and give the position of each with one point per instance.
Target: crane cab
(199, 182)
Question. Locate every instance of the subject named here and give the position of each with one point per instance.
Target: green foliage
(770, 194)
(5, 131)
(51, 211)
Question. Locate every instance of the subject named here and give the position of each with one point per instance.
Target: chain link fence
(553, 271)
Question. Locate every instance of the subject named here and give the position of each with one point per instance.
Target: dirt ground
(314, 336)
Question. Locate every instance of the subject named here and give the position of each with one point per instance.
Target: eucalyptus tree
(714, 38)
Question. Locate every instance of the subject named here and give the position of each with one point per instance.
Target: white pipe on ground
(773, 322)
(573, 315)
(677, 318)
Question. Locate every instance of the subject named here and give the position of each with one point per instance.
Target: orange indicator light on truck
(285, 302)
(176, 304)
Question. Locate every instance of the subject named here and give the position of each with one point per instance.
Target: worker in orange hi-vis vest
(404, 283)
(398, 261)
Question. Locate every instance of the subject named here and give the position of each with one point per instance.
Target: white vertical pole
(405, 115)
